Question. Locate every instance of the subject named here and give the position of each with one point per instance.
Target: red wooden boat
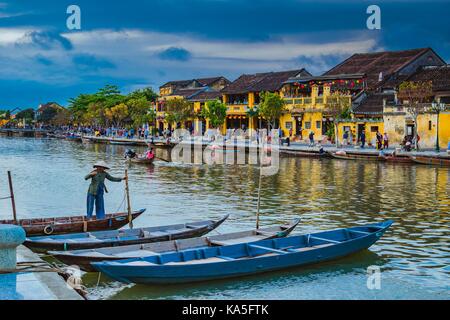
(73, 224)
(356, 156)
(437, 161)
(397, 158)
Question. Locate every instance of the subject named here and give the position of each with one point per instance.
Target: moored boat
(243, 259)
(306, 154)
(72, 224)
(92, 240)
(356, 156)
(83, 258)
(397, 158)
(139, 160)
(437, 161)
(123, 142)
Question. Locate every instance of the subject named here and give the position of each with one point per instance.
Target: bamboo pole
(11, 191)
(127, 190)
(259, 193)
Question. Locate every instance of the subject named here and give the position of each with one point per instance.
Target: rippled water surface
(414, 255)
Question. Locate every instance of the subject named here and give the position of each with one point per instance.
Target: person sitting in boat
(150, 153)
(97, 188)
(130, 154)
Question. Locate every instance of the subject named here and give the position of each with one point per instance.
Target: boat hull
(75, 224)
(84, 258)
(165, 274)
(60, 243)
(432, 161)
(350, 156)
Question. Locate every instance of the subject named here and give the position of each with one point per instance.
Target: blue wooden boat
(245, 258)
(84, 258)
(122, 237)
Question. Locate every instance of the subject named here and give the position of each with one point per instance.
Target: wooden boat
(72, 224)
(438, 161)
(307, 154)
(141, 160)
(92, 240)
(83, 258)
(243, 259)
(397, 158)
(122, 142)
(356, 156)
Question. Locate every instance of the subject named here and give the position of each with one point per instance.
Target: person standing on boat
(97, 189)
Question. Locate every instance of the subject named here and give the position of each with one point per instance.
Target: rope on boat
(44, 267)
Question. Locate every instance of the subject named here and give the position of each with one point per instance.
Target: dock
(34, 285)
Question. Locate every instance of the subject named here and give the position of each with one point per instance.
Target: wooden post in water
(11, 192)
(127, 190)
(259, 194)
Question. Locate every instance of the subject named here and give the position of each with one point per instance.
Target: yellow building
(204, 88)
(242, 97)
(313, 103)
(399, 122)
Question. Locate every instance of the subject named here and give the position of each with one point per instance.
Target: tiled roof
(372, 64)
(269, 81)
(201, 81)
(439, 76)
(187, 93)
(373, 104)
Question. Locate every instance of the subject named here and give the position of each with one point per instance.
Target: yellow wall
(287, 117)
(444, 130)
(395, 125)
(312, 118)
(370, 130)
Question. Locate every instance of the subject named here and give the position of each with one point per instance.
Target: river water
(413, 256)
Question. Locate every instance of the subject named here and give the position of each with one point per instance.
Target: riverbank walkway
(34, 285)
(294, 149)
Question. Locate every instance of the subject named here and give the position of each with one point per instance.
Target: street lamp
(438, 108)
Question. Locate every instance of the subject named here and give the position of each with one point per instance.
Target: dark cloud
(43, 60)
(92, 62)
(45, 40)
(177, 54)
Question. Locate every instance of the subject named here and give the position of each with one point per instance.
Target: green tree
(27, 114)
(271, 108)
(117, 114)
(216, 112)
(339, 108)
(178, 110)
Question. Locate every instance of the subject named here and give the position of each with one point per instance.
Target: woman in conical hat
(97, 189)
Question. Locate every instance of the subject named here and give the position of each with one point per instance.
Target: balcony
(306, 103)
(237, 108)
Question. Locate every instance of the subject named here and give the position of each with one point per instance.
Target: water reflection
(325, 193)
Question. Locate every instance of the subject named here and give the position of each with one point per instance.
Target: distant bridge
(23, 132)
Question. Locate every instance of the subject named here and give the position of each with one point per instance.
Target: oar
(127, 190)
(162, 159)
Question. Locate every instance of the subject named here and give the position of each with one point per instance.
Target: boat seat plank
(226, 258)
(360, 232)
(311, 248)
(267, 249)
(236, 241)
(135, 254)
(140, 263)
(198, 261)
(323, 239)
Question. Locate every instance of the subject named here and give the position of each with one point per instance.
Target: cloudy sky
(137, 43)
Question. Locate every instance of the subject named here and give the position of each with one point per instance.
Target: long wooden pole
(11, 191)
(259, 193)
(127, 190)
